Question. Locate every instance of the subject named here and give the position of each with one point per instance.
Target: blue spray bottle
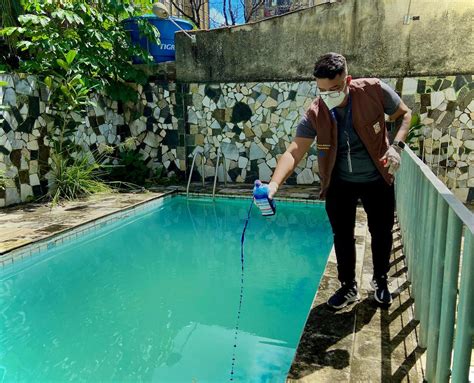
(260, 197)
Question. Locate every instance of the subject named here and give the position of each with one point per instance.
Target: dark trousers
(378, 199)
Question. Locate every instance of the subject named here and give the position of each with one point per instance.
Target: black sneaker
(382, 294)
(348, 293)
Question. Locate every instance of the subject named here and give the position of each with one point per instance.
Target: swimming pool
(154, 296)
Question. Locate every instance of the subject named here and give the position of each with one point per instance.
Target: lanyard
(345, 122)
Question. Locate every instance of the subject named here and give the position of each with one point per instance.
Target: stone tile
(410, 86)
(319, 374)
(368, 316)
(305, 177)
(325, 321)
(28, 223)
(325, 351)
(366, 370)
(399, 315)
(377, 345)
(385, 340)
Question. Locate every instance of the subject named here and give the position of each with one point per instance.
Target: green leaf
(106, 45)
(65, 90)
(63, 64)
(70, 56)
(3, 83)
(70, 18)
(77, 19)
(59, 14)
(77, 78)
(48, 81)
(119, 91)
(24, 45)
(34, 19)
(8, 31)
(79, 45)
(415, 119)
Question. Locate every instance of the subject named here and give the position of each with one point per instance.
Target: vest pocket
(373, 129)
(373, 136)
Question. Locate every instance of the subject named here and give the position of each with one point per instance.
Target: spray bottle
(260, 197)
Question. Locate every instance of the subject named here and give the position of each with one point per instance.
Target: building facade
(270, 8)
(184, 8)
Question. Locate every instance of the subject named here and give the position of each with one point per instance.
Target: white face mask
(334, 98)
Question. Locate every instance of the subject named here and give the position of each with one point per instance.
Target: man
(356, 162)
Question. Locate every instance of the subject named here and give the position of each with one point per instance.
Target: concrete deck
(24, 224)
(361, 343)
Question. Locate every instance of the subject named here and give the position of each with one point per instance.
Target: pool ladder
(201, 153)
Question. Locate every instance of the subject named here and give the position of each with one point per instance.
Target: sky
(216, 16)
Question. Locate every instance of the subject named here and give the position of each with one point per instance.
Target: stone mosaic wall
(446, 109)
(154, 121)
(252, 123)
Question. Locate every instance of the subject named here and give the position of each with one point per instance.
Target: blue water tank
(166, 50)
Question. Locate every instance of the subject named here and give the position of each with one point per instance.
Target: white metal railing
(437, 235)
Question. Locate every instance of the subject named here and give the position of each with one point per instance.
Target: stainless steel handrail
(219, 153)
(192, 168)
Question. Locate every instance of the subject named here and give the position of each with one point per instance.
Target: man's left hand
(391, 160)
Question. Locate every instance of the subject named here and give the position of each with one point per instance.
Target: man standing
(356, 162)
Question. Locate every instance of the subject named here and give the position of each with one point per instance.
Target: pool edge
(25, 250)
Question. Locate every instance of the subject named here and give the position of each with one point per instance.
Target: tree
(76, 48)
(236, 11)
(252, 7)
(233, 11)
(193, 10)
(49, 30)
(10, 10)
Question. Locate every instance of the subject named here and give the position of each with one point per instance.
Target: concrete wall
(370, 33)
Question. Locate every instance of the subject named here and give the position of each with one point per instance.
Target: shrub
(131, 168)
(71, 178)
(3, 180)
(48, 30)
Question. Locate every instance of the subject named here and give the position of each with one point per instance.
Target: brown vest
(369, 123)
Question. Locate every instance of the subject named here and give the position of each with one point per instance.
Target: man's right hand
(391, 159)
(272, 189)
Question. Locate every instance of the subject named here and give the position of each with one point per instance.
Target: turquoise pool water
(154, 297)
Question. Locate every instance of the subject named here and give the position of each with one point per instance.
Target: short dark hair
(330, 65)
